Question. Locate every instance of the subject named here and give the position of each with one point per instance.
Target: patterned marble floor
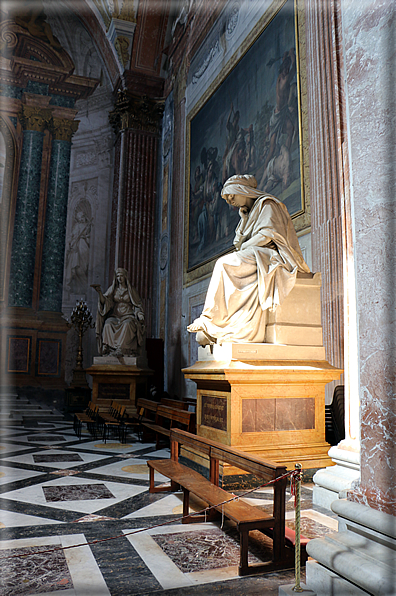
(58, 492)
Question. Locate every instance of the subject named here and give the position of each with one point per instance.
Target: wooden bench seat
(245, 516)
(168, 418)
(113, 419)
(88, 417)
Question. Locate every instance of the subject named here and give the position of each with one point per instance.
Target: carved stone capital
(141, 113)
(63, 129)
(34, 118)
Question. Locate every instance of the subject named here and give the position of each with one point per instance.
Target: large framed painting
(249, 123)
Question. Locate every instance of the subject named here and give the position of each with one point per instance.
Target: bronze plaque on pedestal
(214, 412)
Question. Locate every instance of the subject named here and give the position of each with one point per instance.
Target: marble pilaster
(23, 254)
(55, 217)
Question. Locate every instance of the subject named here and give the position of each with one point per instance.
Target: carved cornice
(63, 129)
(34, 118)
(140, 113)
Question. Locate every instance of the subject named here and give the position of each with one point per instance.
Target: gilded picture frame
(252, 120)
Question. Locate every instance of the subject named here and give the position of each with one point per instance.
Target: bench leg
(186, 504)
(151, 489)
(244, 546)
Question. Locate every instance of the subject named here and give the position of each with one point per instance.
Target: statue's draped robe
(117, 323)
(246, 283)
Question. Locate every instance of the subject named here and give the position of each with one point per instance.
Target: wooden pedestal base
(122, 383)
(272, 409)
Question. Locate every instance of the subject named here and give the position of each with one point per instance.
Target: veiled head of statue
(241, 184)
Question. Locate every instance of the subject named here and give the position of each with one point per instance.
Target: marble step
(7, 420)
(357, 559)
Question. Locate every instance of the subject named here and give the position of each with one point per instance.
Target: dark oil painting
(249, 125)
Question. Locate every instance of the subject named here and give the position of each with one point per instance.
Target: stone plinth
(297, 321)
(269, 406)
(123, 383)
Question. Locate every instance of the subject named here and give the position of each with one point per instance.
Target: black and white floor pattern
(58, 491)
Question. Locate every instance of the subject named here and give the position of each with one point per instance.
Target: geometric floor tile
(13, 474)
(44, 458)
(82, 492)
(12, 519)
(46, 438)
(136, 468)
(35, 495)
(58, 458)
(73, 571)
(201, 549)
(171, 504)
(47, 572)
(165, 570)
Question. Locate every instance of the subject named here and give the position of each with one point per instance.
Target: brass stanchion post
(297, 547)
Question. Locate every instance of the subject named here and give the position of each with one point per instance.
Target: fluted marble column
(34, 121)
(332, 229)
(55, 216)
(136, 121)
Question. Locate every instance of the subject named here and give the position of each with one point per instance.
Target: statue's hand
(96, 287)
(140, 316)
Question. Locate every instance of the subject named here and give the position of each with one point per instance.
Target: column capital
(63, 129)
(141, 113)
(34, 118)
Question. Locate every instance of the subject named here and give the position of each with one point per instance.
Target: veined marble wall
(370, 50)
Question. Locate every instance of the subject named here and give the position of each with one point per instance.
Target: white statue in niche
(120, 321)
(77, 254)
(257, 277)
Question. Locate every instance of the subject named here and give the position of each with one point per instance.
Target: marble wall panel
(19, 351)
(295, 414)
(258, 415)
(48, 357)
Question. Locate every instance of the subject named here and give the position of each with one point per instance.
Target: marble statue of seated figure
(120, 324)
(258, 276)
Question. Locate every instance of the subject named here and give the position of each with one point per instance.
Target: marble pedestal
(268, 400)
(122, 380)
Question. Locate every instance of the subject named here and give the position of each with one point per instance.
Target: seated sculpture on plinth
(246, 284)
(120, 321)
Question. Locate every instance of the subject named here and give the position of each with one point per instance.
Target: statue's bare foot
(195, 326)
(202, 337)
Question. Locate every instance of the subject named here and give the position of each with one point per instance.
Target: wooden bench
(245, 516)
(88, 417)
(112, 419)
(168, 418)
